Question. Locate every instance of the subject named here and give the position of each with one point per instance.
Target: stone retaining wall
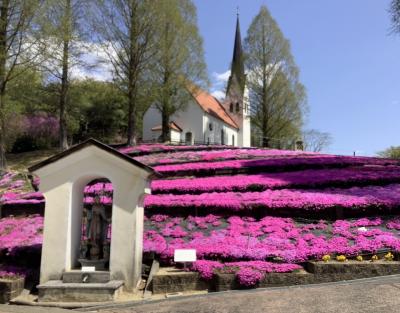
(10, 288)
(317, 272)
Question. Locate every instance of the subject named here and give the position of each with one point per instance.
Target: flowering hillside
(249, 211)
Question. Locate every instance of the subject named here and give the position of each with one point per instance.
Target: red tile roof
(212, 106)
(172, 125)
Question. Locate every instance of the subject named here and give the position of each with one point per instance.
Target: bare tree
(394, 12)
(16, 42)
(316, 141)
(125, 29)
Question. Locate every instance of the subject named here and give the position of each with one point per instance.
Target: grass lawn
(21, 161)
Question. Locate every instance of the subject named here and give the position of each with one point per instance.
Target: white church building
(206, 119)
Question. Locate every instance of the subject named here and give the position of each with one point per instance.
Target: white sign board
(185, 255)
(88, 269)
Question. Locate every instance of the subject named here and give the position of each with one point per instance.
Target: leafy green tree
(277, 97)
(179, 63)
(391, 152)
(64, 30)
(16, 42)
(125, 30)
(99, 110)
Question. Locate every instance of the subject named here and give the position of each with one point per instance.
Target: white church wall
(151, 118)
(245, 130)
(190, 120)
(195, 121)
(214, 136)
(175, 136)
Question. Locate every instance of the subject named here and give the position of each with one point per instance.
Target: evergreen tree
(276, 95)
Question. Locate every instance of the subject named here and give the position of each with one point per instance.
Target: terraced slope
(251, 210)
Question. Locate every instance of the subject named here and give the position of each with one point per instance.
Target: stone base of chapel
(78, 286)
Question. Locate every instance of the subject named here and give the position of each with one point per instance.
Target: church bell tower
(237, 99)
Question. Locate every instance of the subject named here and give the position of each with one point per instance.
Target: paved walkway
(370, 295)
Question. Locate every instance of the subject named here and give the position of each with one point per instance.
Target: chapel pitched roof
(212, 106)
(172, 125)
(98, 144)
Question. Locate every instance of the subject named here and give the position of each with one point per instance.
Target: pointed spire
(237, 66)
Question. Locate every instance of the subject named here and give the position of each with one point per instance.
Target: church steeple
(237, 78)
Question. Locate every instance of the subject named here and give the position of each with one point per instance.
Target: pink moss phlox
(315, 200)
(281, 163)
(20, 232)
(306, 178)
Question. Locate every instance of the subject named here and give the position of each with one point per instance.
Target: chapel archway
(96, 224)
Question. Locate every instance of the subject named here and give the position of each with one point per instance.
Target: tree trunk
(63, 100)
(3, 59)
(131, 117)
(165, 126)
(64, 80)
(3, 162)
(132, 131)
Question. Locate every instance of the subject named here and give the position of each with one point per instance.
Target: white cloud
(219, 94)
(219, 81)
(221, 78)
(99, 67)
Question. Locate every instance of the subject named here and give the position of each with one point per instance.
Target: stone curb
(128, 304)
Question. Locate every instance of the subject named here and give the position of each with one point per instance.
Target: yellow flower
(359, 258)
(326, 258)
(374, 258)
(389, 256)
(341, 258)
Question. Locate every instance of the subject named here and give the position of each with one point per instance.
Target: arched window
(210, 127)
(231, 108)
(237, 107)
(222, 137)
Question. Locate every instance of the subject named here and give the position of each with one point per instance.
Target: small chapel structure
(206, 119)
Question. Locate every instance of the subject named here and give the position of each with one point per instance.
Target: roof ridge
(227, 120)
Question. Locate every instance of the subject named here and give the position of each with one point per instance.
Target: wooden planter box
(10, 288)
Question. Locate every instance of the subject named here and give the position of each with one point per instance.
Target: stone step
(57, 291)
(86, 277)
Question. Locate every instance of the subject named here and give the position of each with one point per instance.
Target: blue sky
(349, 63)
